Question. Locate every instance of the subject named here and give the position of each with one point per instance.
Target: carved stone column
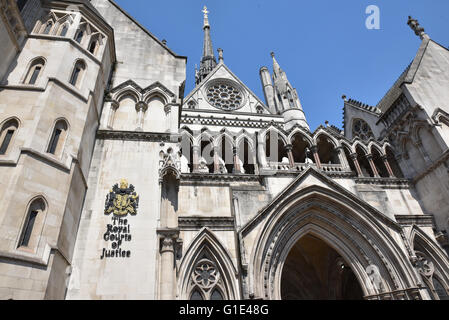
(216, 161)
(141, 108)
(357, 164)
(112, 111)
(314, 150)
(196, 158)
(291, 160)
(369, 157)
(167, 249)
(387, 165)
(237, 168)
(339, 151)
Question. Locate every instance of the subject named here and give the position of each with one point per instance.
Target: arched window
(34, 72)
(364, 163)
(58, 138)
(326, 151)
(63, 30)
(391, 158)
(349, 158)
(206, 280)
(93, 46)
(226, 155)
(361, 129)
(77, 73)
(299, 147)
(379, 163)
(79, 36)
(246, 157)
(33, 224)
(7, 134)
(275, 150)
(47, 27)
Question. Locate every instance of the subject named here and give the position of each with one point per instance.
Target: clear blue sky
(323, 45)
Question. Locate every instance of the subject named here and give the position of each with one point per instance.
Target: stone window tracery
(206, 281)
(224, 95)
(362, 129)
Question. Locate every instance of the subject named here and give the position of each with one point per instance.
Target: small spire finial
(206, 17)
(415, 26)
(272, 54)
(220, 54)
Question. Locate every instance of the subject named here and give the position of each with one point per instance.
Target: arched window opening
(7, 134)
(33, 224)
(290, 99)
(47, 27)
(93, 46)
(259, 110)
(326, 151)
(191, 104)
(206, 162)
(206, 280)
(77, 74)
(275, 150)
(79, 36)
(246, 157)
(226, 156)
(391, 158)
(196, 295)
(58, 138)
(349, 158)
(360, 128)
(299, 146)
(187, 154)
(34, 71)
(379, 163)
(364, 163)
(63, 30)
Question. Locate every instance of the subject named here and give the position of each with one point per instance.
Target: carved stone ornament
(205, 274)
(424, 266)
(122, 200)
(170, 163)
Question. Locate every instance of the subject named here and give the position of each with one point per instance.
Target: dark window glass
(64, 31)
(54, 141)
(35, 74)
(6, 141)
(29, 229)
(216, 295)
(196, 296)
(92, 47)
(75, 75)
(79, 36)
(47, 28)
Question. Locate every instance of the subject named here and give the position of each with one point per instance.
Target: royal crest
(122, 200)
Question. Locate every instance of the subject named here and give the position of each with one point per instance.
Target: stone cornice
(384, 182)
(249, 123)
(138, 136)
(220, 178)
(209, 222)
(426, 220)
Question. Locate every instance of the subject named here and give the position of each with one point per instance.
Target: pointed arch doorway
(314, 270)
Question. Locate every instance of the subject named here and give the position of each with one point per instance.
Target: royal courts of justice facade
(115, 183)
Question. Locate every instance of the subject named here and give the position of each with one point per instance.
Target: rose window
(205, 274)
(362, 129)
(224, 96)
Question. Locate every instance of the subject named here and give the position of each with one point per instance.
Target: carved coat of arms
(122, 200)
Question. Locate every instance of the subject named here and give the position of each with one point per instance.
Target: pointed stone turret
(208, 61)
(286, 98)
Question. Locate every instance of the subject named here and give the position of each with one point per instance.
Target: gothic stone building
(116, 184)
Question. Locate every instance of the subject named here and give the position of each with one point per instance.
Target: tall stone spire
(208, 61)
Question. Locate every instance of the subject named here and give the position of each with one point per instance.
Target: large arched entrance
(315, 271)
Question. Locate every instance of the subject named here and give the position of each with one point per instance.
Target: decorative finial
(415, 26)
(344, 97)
(220, 54)
(272, 54)
(206, 17)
